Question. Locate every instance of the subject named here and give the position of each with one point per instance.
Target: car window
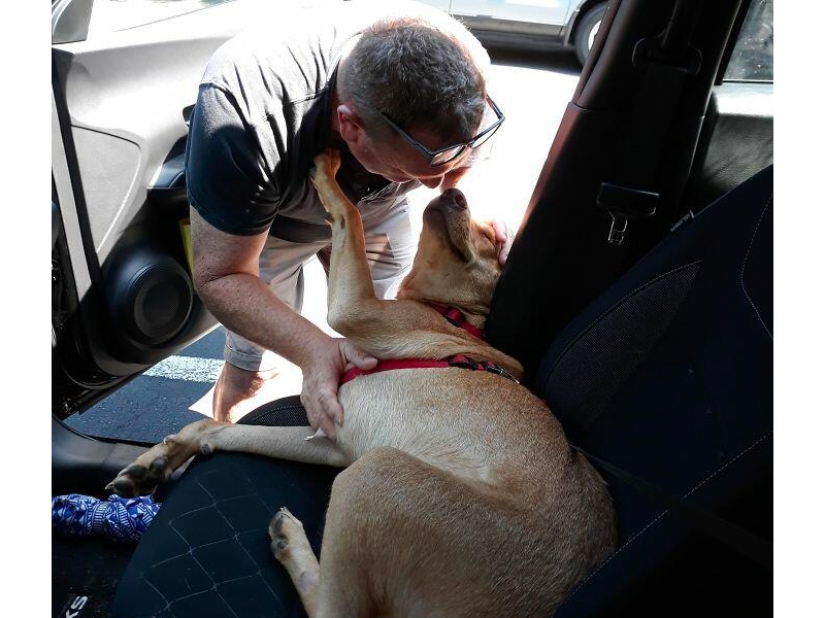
(526, 11)
(752, 58)
(116, 15)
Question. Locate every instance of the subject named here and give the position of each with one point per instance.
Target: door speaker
(151, 296)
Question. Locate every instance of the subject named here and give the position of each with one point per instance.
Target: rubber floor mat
(86, 567)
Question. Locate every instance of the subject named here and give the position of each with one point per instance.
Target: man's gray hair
(418, 76)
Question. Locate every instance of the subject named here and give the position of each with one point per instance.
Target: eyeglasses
(442, 156)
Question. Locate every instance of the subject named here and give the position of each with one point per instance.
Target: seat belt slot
(624, 204)
(666, 62)
(649, 51)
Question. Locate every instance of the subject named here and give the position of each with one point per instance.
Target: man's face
(396, 160)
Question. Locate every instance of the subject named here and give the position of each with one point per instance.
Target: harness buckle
(500, 371)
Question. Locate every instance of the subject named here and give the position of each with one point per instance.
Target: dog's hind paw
(292, 549)
(283, 528)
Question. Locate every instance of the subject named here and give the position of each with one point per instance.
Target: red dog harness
(456, 318)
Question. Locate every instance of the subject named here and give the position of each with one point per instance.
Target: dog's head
(457, 260)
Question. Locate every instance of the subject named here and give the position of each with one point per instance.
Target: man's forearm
(245, 305)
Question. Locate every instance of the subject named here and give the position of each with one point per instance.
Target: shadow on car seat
(667, 375)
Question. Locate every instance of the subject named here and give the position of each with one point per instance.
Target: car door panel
(125, 118)
(122, 101)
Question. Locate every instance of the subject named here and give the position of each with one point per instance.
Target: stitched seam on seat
(168, 605)
(752, 446)
(745, 263)
(610, 310)
(235, 535)
(662, 514)
(259, 573)
(214, 586)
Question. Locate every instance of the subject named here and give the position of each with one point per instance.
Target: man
(398, 88)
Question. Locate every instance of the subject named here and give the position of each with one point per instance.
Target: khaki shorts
(390, 251)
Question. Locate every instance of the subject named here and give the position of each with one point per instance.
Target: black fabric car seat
(667, 375)
(207, 552)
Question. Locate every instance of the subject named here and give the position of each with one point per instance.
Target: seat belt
(668, 61)
(740, 540)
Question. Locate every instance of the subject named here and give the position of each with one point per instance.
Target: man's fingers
(319, 419)
(320, 390)
(505, 237)
(327, 411)
(332, 409)
(356, 356)
(328, 427)
(320, 407)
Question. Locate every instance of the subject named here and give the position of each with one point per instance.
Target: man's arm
(226, 278)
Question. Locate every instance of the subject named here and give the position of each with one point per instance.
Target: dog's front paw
(325, 167)
(157, 465)
(141, 480)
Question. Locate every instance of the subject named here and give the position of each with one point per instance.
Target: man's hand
(505, 238)
(322, 374)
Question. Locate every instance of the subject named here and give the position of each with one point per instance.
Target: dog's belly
(475, 424)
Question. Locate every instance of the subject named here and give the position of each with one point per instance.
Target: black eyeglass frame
(462, 146)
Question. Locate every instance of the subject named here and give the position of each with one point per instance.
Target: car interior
(638, 296)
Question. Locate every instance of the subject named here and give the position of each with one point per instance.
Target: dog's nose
(456, 196)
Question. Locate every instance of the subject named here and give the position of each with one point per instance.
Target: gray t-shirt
(263, 113)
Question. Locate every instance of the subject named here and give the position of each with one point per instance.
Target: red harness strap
(459, 360)
(456, 318)
(390, 365)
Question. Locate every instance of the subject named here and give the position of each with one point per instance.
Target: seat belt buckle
(624, 205)
(618, 229)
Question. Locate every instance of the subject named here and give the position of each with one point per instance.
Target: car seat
(668, 375)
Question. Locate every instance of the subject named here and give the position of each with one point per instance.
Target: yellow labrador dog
(461, 496)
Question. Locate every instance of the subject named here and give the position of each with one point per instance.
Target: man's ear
(350, 125)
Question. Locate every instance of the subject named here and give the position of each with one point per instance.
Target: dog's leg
(384, 328)
(405, 539)
(207, 436)
(291, 547)
(350, 290)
